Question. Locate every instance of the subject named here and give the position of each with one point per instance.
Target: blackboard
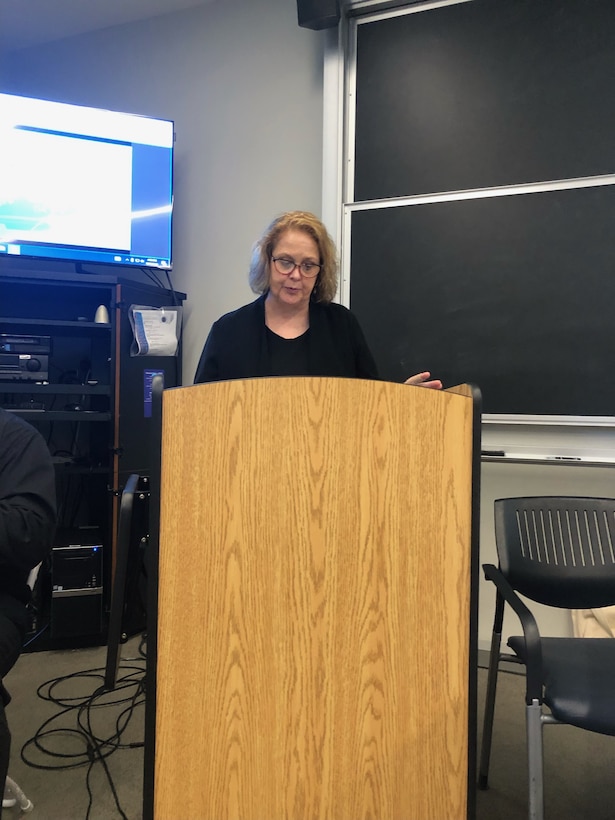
(484, 93)
(513, 293)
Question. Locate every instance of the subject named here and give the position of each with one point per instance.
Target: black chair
(560, 552)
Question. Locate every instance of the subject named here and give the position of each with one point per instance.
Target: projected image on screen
(84, 184)
(67, 191)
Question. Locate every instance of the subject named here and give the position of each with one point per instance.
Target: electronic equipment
(99, 186)
(24, 358)
(23, 367)
(76, 584)
(15, 343)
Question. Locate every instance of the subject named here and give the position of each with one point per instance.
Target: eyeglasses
(286, 266)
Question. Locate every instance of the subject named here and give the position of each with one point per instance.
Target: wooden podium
(314, 652)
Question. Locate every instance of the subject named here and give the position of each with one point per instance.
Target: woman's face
(293, 288)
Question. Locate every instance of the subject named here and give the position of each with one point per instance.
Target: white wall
(243, 84)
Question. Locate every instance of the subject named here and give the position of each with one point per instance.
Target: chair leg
(533, 718)
(492, 679)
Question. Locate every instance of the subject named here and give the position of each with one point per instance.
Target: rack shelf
(61, 415)
(68, 326)
(47, 389)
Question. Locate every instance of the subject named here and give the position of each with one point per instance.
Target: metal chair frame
(558, 551)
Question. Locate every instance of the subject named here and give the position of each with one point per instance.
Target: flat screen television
(84, 184)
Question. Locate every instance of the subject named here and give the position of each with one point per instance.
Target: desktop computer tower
(77, 587)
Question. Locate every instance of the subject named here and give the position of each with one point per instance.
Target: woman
(293, 328)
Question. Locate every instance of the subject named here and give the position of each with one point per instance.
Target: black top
(237, 346)
(288, 357)
(27, 507)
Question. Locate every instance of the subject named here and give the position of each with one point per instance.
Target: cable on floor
(76, 722)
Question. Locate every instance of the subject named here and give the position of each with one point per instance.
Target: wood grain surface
(314, 597)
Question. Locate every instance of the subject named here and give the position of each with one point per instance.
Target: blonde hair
(326, 282)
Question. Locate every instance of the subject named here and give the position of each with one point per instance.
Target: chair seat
(579, 680)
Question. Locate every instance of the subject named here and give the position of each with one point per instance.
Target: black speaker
(318, 14)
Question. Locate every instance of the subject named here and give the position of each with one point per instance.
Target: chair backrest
(557, 550)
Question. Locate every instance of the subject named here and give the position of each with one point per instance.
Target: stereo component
(16, 343)
(24, 358)
(25, 367)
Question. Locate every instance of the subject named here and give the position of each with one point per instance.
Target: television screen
(84, 184)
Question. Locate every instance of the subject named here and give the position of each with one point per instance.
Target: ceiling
(26, 23)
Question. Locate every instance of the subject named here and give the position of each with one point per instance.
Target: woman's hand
(424, 380)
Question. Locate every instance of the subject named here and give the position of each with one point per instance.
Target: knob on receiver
(33, 364)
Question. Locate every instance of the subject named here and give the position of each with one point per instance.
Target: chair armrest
(531, 635)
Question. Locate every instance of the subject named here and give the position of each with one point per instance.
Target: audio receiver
(24, 358)
(24, 367)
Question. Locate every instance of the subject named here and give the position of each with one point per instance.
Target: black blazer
(27, 509)
(236, 347)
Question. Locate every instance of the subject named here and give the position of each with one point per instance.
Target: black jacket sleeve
(27, 502)
(365, 364)
(235, 347)
(208, 369)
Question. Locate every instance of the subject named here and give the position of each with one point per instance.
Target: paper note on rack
(156, 331)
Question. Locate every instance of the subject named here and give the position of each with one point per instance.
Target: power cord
(79, 712)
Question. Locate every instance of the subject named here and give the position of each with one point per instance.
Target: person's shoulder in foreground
(27, 502)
